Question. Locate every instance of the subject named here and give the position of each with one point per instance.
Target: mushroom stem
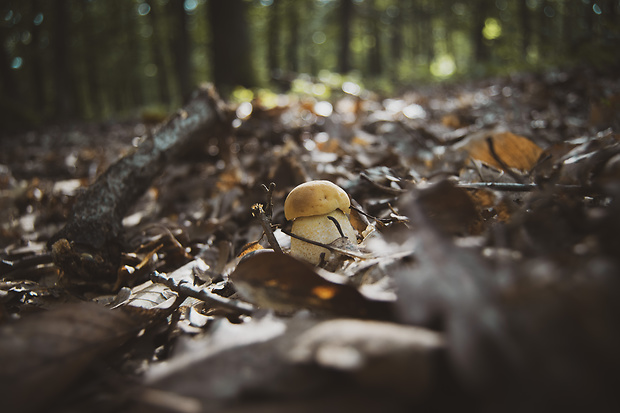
(337, 224)
(309, 241)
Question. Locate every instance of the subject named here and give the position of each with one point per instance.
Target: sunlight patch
(492, 29)
(443, 66)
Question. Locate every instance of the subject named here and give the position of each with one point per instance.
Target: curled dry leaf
(304, 362)
(235, 361)
(280, 282)
(379, 355)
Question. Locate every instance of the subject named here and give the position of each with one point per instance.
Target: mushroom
(319, 210)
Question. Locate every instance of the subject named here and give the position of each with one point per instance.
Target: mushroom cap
(315, 198)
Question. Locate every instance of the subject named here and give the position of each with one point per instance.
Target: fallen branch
(512, 186)
(88, 248)
(204, 295)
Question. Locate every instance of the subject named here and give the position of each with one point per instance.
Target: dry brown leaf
(280, 282)
(451, 121)
(450, 208)
(331, 146)
(41, 355)
(514, 151)
(490, 205)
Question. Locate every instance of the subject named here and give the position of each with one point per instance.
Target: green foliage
(123, 55)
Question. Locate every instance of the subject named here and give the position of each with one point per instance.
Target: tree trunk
(344, 57)
(63, 87)
(374, 51)
(37, 61)
(273, 39)
(421, 23)
(90, 60)
(7, 77)
(396, 40)
(230, 45)
(481, 52)
(526, 27)
(414, 24)
(131, 81)
(182, 49)
(158, 57)
(293, 44)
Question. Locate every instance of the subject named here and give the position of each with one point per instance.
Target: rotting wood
(88, 248)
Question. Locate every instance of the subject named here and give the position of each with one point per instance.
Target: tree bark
(88, 248)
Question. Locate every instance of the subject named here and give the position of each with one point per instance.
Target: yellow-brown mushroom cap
(315, 198)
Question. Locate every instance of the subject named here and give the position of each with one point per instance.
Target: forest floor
(486, 275)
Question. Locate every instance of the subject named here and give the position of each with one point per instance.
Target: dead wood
(90, 244)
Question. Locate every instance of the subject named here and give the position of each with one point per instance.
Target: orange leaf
(513, 150)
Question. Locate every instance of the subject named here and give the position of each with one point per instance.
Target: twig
(259, 212)
(203, 294)
(35, 266)
(332, 247)
(509, 186)
(269, 191)
(382, 221)
(389, 190)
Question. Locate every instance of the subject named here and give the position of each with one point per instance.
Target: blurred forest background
(93, 59)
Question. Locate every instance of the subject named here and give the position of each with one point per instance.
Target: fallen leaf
(449, 207)
(41, 355)
(297, 361)
(236, 360)
(451, 120)
(280, 282)
(379, 355)
(514, 151)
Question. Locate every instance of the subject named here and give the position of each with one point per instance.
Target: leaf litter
(485, 275)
